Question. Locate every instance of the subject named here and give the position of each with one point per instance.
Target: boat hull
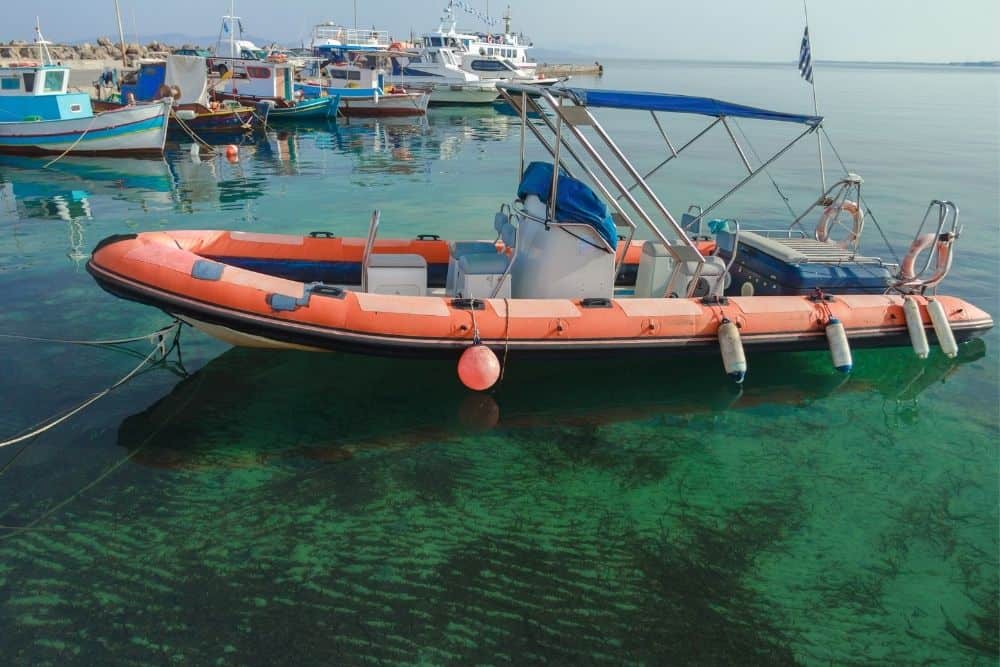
(461, 94)
(173, 271)
(227, 121)
(135, 130)
(362, 102)
(317, 109)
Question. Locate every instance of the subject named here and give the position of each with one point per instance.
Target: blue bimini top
(670, 103)
(575, 201)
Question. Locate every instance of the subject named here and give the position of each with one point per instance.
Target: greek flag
(805, 58)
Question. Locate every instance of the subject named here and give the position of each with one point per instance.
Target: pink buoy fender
(829, 218)
(232, 153)
(478, 367)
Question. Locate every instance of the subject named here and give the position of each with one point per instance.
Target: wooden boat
(50, 120)
(359, 78)
(184, 81)
(556, 281)
(267, 86)
(316, 109)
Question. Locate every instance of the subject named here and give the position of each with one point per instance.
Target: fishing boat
(263, 83)
(184, 81)
(551, 279)
(269, 88)
(39, 116)
(359, 80)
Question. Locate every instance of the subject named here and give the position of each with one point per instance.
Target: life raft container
(269, 290)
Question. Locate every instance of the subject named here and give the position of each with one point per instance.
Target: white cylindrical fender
(840, 349)
(733, 358)
(942, 328)
(915, 324)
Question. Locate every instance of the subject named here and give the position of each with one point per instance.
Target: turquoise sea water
(296, 508)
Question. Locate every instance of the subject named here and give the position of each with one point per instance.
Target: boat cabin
(254, 79)
(39, 92)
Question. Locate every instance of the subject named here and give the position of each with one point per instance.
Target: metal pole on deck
(121, 34)
(812, 82)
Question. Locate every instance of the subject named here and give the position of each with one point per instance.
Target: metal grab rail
(521, 104)
(941, 242)
(369, 247)
(585, 117)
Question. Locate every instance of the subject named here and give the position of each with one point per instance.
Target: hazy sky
(907, 30)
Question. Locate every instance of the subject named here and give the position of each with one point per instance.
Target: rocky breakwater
(104, 52)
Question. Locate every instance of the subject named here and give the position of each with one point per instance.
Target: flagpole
(812, 82)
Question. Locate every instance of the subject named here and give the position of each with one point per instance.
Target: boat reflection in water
(67, 190)
(234, 411)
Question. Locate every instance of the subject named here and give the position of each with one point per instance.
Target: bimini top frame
(571, 107)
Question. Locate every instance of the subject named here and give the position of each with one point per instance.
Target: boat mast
(121, 34)
(355, 15)
(43, 47)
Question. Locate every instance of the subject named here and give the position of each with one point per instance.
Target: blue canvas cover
(147, 87)
(705, 106)
(575, 201)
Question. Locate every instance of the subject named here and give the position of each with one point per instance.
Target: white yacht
(439, 70)
(487, 55)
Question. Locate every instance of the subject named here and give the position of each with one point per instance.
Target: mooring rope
(158, 353)
(190, 133)
(32, 526)
(73, 145)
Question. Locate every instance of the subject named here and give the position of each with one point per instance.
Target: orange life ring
(395, 46)
(830, 213)
(907, 268)
(277, 58)
(24, 63)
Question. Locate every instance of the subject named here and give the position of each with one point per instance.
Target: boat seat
(460, 249)
(657, 267)
(482, 275)
(403, 274)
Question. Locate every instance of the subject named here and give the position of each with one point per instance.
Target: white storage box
(397, 274)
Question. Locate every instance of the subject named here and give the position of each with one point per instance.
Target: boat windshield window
(353, 75)
(29, 82)
(435, 41)
(54, 81)
(10, 83)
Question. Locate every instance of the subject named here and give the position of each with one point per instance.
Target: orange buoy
(232, 153)
(478, 368)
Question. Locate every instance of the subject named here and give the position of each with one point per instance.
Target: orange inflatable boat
(266, 290)
(558, 279)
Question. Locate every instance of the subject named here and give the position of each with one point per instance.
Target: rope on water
(868, 209)
(32, 526)
(158, 353)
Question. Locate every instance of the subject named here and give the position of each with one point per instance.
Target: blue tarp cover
(151, 77)
(575, 202)
(705, 106)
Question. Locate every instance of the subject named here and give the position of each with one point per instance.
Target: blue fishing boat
(38, 115)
